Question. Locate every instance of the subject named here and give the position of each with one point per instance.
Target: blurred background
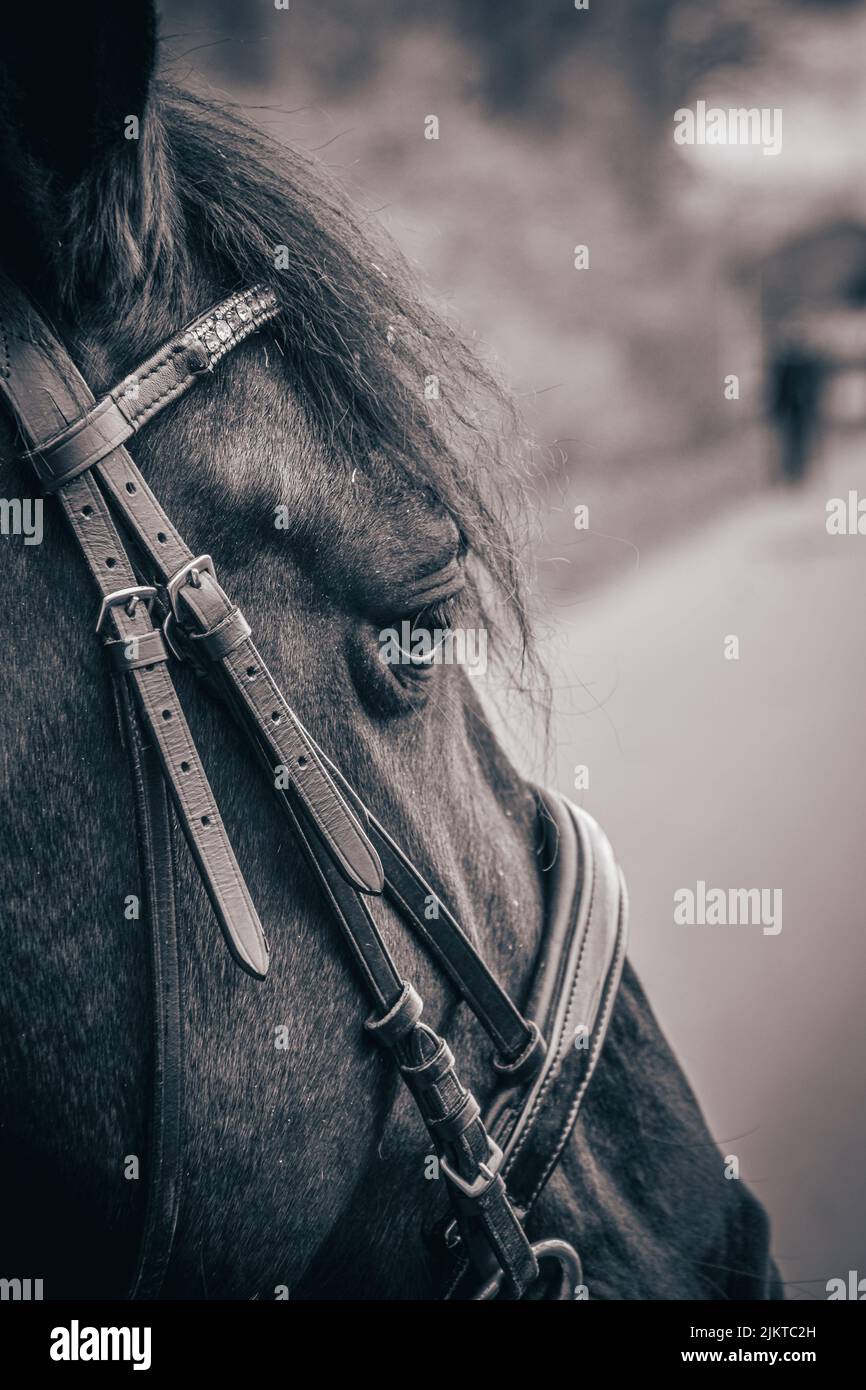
(685, 327)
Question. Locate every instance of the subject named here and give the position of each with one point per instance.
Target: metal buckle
(488, 1172)
(125, 596)
(188, 571)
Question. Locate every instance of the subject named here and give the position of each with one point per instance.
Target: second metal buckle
(177, 581)
(487, 1172)
(173, 587)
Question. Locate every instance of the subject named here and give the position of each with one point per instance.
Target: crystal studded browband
(155, 383)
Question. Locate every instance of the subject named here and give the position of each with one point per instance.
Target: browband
(164, 377)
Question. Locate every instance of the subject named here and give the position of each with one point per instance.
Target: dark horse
(303, 1165)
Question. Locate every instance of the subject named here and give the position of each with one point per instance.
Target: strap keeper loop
(428, 1074)
(526, 1065)
(448, 1128)
(219, 641)
(400, 1018)
(129, 653)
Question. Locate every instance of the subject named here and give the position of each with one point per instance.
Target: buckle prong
(129, 598)
(190, 571)
(488, 1171)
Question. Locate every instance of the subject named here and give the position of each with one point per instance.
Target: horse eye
(414, 641)
(430, 627)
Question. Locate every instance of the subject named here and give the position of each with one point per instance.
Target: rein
(495, 1164)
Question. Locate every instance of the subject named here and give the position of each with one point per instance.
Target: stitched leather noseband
(495, 1164)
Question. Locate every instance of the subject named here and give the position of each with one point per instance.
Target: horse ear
(71, 76)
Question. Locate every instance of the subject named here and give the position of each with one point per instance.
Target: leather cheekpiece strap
(44, 389)
(443, 936)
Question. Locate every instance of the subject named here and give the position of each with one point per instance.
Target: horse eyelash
(441, 614)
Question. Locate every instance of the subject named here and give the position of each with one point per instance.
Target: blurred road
(744, 773)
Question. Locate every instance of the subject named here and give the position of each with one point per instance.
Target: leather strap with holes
(43, 399)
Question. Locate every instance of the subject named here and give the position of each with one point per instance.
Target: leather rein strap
(495, 1165)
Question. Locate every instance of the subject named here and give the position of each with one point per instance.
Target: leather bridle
(495, 1164)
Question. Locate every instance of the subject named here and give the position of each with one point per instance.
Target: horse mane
(205, 185)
